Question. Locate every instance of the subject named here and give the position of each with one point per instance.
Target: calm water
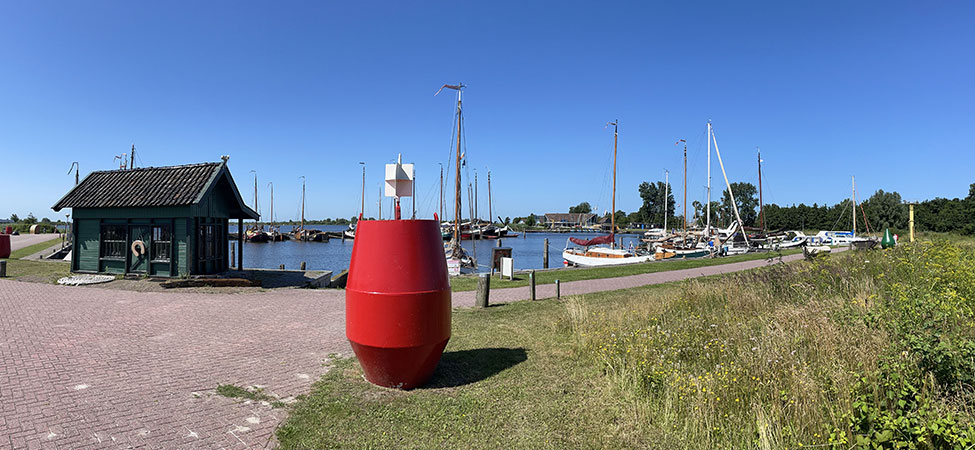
(334, 255)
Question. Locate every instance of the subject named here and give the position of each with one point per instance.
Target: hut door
(138, 254)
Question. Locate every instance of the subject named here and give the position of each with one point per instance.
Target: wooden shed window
(161, 242)
(113, 241)
(208, 241)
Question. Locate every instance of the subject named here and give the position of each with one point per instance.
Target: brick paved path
(110, 368)
(104, 368)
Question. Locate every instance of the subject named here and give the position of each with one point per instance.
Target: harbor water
(526, 250)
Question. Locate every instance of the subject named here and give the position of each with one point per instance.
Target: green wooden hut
(157, 221)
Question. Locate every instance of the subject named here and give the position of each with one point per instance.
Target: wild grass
(871, 349)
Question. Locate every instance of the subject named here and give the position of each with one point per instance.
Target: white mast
(707, 229)
(854, 198)
(734, 205)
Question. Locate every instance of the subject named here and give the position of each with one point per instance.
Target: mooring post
(483, 290)
(531, 283)
(302, 266)
(233, 253)
(3, 268)
(281, 267)
(558, 290)
(545, 255)
(499, 242)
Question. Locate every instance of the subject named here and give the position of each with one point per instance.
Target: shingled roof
(147, 187)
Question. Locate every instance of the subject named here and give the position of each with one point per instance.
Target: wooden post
(558, 290)
(483, 290)
(302, 266)
(545, 255)
(531, 283)
(3, 268)
(240, 244)
(233, 252)
(499, 242)
(911, 212)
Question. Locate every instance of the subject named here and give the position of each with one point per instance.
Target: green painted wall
(132, 213)
(88, 241)
(181, 250)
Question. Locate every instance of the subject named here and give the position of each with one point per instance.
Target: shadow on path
(470, 366)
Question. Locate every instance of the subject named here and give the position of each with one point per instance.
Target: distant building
(6, 221)
(158, 221)
(569, 220)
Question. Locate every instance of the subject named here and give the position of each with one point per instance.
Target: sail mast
(490, 217)
(734, 205)
(271, 184)
(362, 208)
(457, 184)
(302, 206)
(708, 227)
(854, 198)
(612, 213)
(666, 197)
(441, 191)
(761, 202)
(685, 189)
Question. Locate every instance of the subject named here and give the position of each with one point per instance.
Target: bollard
(3, 268)
(233, 253)
(281, 267)
(483, 290)
(499, 242)
(531, 283)
(302, 266)
(558, 290)
(545, 255)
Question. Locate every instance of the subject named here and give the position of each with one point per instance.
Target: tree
(507, 220)
(30, 220)
(530, 221)
(621, 219)
(653, 209)
(14, 218)
(583, 208)
(747, 201)
(884, 209)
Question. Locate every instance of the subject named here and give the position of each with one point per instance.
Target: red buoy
(397, 301)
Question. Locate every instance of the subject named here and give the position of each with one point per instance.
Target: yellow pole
(911, 209)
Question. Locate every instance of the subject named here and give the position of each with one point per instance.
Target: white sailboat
(590, 253)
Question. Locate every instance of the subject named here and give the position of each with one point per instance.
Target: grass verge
(37, 271)
(469, 282)
(860, 350)
(31, 249)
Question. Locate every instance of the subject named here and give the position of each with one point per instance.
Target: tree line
(881, 210)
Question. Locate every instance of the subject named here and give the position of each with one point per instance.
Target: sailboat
(458, 261)
(593, 252)
(303, 234)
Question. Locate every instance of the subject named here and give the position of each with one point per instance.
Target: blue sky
(880, 90)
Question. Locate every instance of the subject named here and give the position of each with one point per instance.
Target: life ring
(138, 248)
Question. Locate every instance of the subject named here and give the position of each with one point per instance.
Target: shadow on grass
(470, 366)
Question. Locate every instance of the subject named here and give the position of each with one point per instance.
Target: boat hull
(582, 260)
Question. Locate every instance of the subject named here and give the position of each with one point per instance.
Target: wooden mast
(761, 202)
(271, 185)
(612, 214)
(457, 185)
(303, 207)
(490, 217)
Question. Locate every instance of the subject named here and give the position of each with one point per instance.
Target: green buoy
(888, 240)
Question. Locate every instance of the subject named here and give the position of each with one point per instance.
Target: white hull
(613, 257)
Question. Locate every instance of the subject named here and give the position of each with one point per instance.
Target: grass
(850, 351)
(469, 282)
(37, 271)
(255, 394)
(31, 249)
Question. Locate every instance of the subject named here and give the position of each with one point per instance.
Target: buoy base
(397, 367)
